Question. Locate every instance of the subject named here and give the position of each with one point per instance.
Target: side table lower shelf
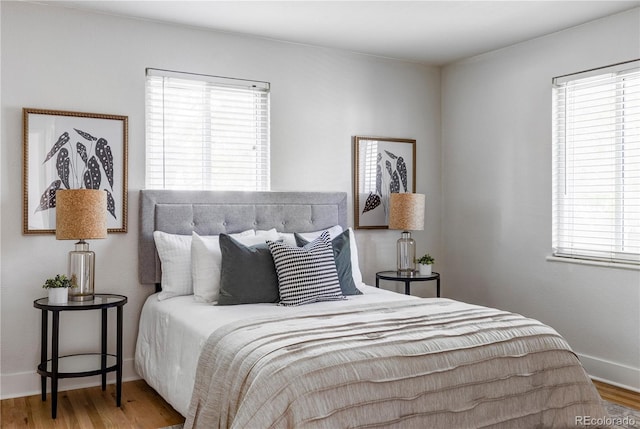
(80, 365)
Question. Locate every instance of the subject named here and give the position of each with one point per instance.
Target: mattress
(172, 333)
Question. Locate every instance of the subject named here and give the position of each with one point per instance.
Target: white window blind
(596, 164)
(206, 132)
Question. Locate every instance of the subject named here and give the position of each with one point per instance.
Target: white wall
(61, 59)
(496, 175)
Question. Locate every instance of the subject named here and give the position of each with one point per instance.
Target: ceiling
(430, 32)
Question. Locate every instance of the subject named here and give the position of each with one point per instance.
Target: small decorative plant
(59, 281)
(426, 259)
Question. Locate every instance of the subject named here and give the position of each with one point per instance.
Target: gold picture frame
(72, 150)
(382, 165)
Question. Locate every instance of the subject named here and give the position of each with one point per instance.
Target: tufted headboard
(215, 212)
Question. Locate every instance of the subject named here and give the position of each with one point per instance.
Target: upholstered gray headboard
(214, 212)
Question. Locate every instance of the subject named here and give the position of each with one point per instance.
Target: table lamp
(406, 213)
(81, 214)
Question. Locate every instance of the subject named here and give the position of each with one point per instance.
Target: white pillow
(289, 237)
(355, 267)
(271, 234)
(206, 261)
(175, 255)
(204, 251)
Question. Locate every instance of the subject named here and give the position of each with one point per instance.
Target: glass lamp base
(406, 253)
(81, 272)
(86, 297)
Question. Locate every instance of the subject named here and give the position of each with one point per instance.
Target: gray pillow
(342, 255)
(247, 273)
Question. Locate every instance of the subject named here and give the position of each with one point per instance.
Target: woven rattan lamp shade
(81, 214)
(406, 211)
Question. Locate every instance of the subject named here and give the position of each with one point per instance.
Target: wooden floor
(143, 408)
(619, 396)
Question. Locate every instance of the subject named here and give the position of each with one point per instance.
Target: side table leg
(103, 358)
(43, 352)
(119, 358)
(54, 363)
(438, 287)
(407, 287)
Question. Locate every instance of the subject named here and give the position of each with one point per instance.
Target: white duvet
(172, 333)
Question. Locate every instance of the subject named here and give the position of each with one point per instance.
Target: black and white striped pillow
(306, 274)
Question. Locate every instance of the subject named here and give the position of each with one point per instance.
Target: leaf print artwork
(372, 202)
(391, 173)
(379, 176)
(387, 164)
(111, 204)
(85, 172)
(62, 165)
(106, 159)
(69, 150)
(394, 186)
(62, 140)
(48, 198)
(82, 151)
(86, 135)
(92, 176)
(382, 166)
(401, 167)
(391, 155)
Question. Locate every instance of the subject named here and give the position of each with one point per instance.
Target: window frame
(565, 249)
(222, 116)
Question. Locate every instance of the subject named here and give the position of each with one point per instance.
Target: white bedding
(172, 333)
(435, 363)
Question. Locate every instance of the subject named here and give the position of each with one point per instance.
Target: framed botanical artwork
(72, 150)
(381, 166)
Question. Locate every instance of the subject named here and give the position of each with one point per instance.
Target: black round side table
(85, 364)
(398, 276)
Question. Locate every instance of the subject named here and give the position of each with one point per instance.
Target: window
(206, 132)
(596, 164)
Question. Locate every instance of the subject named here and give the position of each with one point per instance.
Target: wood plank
(143, 408)
(618, 395)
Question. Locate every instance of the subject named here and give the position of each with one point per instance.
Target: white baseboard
(612, 373)
(27, 383)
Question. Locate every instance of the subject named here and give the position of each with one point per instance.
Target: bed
(371, 359)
